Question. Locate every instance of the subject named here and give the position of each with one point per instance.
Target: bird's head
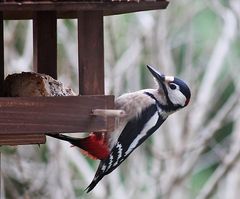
(175, 90)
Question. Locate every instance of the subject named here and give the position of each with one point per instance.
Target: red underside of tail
(95, 146)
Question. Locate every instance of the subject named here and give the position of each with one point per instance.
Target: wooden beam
(1, 55)
(45, 43)
(90, 53)
(25, 10)
(130, 7)
(114, 6)
(16, 139)
(36, 115)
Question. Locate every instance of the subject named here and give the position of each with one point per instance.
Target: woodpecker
(145, 110)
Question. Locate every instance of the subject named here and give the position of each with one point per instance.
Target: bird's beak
(161, 78)
(158, 76)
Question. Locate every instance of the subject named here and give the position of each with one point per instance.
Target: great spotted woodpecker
(145, 111)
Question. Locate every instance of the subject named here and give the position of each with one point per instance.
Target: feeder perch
(109, 113)
(25, 120)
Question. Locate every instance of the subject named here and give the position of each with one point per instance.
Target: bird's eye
(173, 86)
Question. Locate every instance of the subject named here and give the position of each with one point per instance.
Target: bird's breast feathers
(134, 103)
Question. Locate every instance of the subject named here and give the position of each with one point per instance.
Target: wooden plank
(13, 139)
(90, 53)
(45, 43)
(34, 115)
(24, 10)
(1, 54)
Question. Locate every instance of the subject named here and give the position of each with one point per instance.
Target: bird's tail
(61, 137)
(100, 173)
(93, 184)
(79, 142)
(94, 146)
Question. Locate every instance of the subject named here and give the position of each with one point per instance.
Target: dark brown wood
(129, 7)
(24, 10)
(90, 53)
(13, 139)
(34, 115)
(111, 120)
(45, 43)
(44, 47)
(1, 54)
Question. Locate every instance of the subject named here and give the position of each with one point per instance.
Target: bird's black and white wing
(136, 131)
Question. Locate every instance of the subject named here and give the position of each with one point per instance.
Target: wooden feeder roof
(68, 9)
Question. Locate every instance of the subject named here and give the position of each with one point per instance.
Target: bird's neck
(162, 101)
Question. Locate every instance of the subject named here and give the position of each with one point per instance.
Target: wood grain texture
(45, 43)
(44, 50)
(25, 10)
(1, 55)
(90, 53)
(34, 115)
(22, 139)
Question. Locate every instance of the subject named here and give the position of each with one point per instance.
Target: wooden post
(1, 79)
(90, 52)
(91, 56)
(45, 43)
(1, 55)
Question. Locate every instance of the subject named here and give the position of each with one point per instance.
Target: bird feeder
(25, 120)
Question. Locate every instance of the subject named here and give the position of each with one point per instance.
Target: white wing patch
(151, 123)
(119, 147)
(104, 167)
(110, 161)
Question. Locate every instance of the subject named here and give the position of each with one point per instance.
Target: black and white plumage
(145, 111)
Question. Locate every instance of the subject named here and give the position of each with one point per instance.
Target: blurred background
(196, 153)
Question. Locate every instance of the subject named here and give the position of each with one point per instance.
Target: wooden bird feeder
(25, 120)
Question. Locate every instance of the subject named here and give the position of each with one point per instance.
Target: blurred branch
(213, 69)
(229, 161)
(235, 5)
(207, 133)
(129, 57)
(73, 155)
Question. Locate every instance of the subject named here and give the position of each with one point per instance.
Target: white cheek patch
(176, 97)
(169, 78)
